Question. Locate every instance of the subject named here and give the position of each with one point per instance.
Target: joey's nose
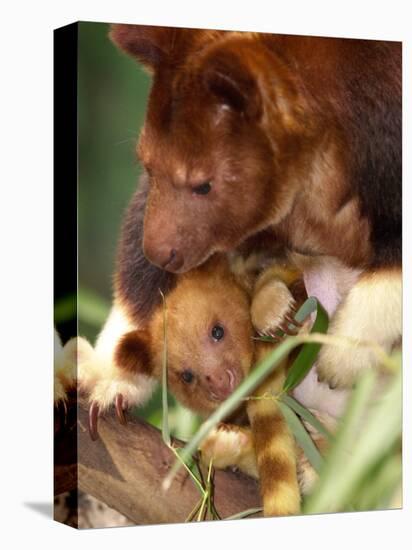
(165, 257)
(222, 383)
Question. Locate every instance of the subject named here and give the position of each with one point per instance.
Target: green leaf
(358, 444)
(255, 378)
(302, 437)
(307, 355)
(306, 415)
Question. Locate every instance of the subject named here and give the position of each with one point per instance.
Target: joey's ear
(152, 46)
(132, 353)
(232, 83)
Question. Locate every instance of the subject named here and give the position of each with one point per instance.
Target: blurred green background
(112, 92)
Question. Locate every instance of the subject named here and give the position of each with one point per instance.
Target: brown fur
(298, 140)
(297, 134)
(134, 347)
(206, 297)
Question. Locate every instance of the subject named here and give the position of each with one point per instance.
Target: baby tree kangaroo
(210, 350)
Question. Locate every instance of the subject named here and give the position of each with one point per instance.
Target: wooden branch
(125, 468)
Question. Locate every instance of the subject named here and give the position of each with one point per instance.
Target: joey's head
(209, 339)
(211, 142)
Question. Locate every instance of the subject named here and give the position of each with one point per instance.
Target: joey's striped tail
(275, 450)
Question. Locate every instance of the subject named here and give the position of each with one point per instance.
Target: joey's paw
(225, 445)
(66, 360)
(273, 308)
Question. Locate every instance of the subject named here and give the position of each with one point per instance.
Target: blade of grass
(307, 355)
(257, 375)
(245, 513)
(196, 480)
(246, 387)
(205, 505)
(302, 437)
(306, 415)
(376, 490)
(165, 405)
(193, 512)
(329, 493)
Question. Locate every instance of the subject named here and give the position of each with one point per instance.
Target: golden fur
(202, 298)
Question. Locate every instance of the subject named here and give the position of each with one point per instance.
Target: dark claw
(222, 426)
(93, 417)
(293, 321)
(119, 409)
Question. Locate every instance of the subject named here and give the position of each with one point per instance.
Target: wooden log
(125, 468)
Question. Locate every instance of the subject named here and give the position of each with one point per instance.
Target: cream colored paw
(371, 313)
(66, 360)
(229, 445)
(108, 386)
(134, 390)
(272, 308)
(339, 368)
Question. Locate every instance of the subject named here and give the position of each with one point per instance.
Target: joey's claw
(291, 332)
(292, 321)
(93, 418)
(120, 406)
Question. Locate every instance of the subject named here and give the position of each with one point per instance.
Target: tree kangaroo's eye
(203, 188)
(218, 332)
(187, 376)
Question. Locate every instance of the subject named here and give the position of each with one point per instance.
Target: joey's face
(209, 186)
(209, 341)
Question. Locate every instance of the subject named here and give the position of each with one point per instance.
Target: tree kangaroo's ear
(232, 82)
(152, 46)
(132, 353)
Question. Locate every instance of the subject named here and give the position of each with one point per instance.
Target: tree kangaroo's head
(214, 168)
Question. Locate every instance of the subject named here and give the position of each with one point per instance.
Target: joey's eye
(218, 332)
(187, 376)
(203, 188)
